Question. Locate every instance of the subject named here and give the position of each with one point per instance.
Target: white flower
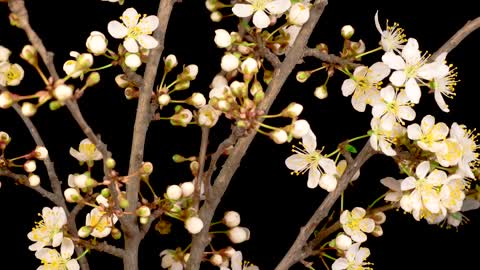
(96, 43)
(309, 159)
(52, 260)
(4, 54)
(299, 13)
(444, 86)
(135, 30)
(208, 116)
(467, 141)
(392, 37)
(172, 260)
(452, 193)
(354, 259)
(222, 38)
(382, 139)
(229, 62)
(355, 224)
(406, 69)
(429, 136)
(239, 264)
(87, 152)
(259, 9)
(392, 108)
(364, 84)
(10, 74)
(49, 231)
(101, 222)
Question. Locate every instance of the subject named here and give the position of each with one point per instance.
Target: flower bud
(29, 54)
(85, 231)
(197, 99)
(116, 233)
(216, 16)
(28, 109)
(63, 92)
(229, 251)
(343, 242)
(147, 168)
(182, 85)
(279, 136)
(143, 211)
(174, 192)
(302, 76)
(216, 259)
(6, 100)
(123, 203)
(4, 139)
(92, 79)
(211, 5)
(293, 110)
(105, 193)
(164, 99)
(347, 31)
(178, 158)
(193, 225)
(322, 47)
(208, 116)
(170, 62)
(249, 66)
(72, 195)
(84, 61)
(110, 163)
(231, 219)
(30, 166)
(187, 189)
(298, 14)
(379, 217)
(328, 182)
(133, 61)
(121, 80)
(34, 180)
(79, 180)
(190, 72)
(229, 62)
(4, 54)
(377, 231)
(194, 167)
(182, 118)
(238, 234)
(222, 38)
(321, 92)
(40, 153)
(300, 128)
(218, 81)
(96, 43)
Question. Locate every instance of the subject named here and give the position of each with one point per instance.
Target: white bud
(193, 225)
(121, 81)
(34, 180)
(164, 99)
(191, 71)
(347, 31)
(377, 231)
(30, 166)
(298, 14)
(170, 62)
(143, 211)
(328, 182)
(321, 92)
(229, 62)
(208, 116)
(174, 192)
(222, 38)
(218, 81)
(249, 66)
(216, 16)
(229, 251)
(79, 180)
(96, 43)
(28, 109)
(293, 110)
(238, 234)
(187, 189)
(198, 100)
(84, 231)
(6, 100)
(216, 259)
(62, 92)
(343, 242)
(279, 136)
(300, 128)
(379, 217)
(211, 5)
(231, 219)
(41, 152)
(4, 54)
(71, 195)
(133, 61)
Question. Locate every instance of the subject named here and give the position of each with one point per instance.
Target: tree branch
(329, 58)
(458, 37)
(201, 164)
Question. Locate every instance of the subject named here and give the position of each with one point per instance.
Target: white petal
(414, 132)
(313, 178)
(117, 30)
(391, 183)
(147, 41)
(413, 90)
(348, 87)
(130, 45)
(328, 165)
(242, 10)
(73, 265)
(398, 78)
(67, 248)
(388, 94)
(393, 61)
(441, 102)
(379, 71)
(410, 52)
(148, 24)
(386, 148)
(261, 19)
(278, 6)
(377, 23)
(406, 112)
(422, 169)
(367, 225)
(130, 17)
(362, 254)
(427, 123)
(309, 140)
(79, 156)
(408, 184)
(378, 110)
(387, 121)
(340, 264)
(296, 162)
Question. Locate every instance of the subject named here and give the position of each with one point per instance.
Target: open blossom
(172, 259)
(260, 9)
(53, 260)
(395, 193)
(237, 263)
(135, 30)
(49, 230)
(310, 159)
(467, 141)
(299, 13)
(77, 68)
(355, 224)
(381, 139)
(4, 54)
(364, 84)
(444, 85)
(101, 222)
(392, 37)
(10, 74)
(354, 259)
(393, 108)
(87, 152)
(428, 135)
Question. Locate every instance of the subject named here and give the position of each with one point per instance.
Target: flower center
(259, 5)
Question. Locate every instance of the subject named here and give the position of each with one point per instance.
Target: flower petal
(147, 41)
(398, 78)
(348, 87)
(393, 61)
(130, 17)
(242, 10)
(261, 19)
(313, 178)
(117, 30)
(413, 90)
(278, 6)
(296, 162)
(130, 45)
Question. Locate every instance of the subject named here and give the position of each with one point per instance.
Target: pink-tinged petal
(148, 24)
(414, 132)
(130, 17)
(278, 6)
(391, 183)
(309, 140)
(440, 101)
(408, 183)
(117, 30)
(393, 196)
(242, 10)
(296, 162)
(422, 169)
(67, 248)
(398, 78)
(379, 71)
(406, 113)
(313, 178)
(328, 166)
(147, 41)
(261, 19)
(410, 52)
(340, 264)
(130, 45)
(348, 86)
(73, 265)
(393, 61)
(413, 90)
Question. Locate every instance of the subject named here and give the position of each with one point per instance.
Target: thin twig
(453, 42)
(201, 165)
(100, 246)
(329, 58)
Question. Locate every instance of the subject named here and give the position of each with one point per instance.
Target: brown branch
(329, 58)
(296, 252)
(266, 53)
(100, 246)
(280, 75)
(458, 37)
(201, 166)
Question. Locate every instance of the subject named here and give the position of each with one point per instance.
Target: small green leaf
(350, 148)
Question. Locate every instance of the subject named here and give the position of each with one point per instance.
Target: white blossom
(260, 10)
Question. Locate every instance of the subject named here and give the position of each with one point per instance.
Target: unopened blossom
(347, 31)
(30, 166)
(365, 84)
(279, 136)
(101, 222)
(72, 195)
(249, 66)
(6, 100)
(355, 224)
(292, 110)
(34, 180)
(238, 234)
(133, 61)
(63, 92)
(208, 116)
(354, 259)
(343, 241)
(298, 13)
(96, 43)
(187, 189)
(424, 190)
(394, 107)
(40, 152)
(260, 10)
(28, 109)
(135, 29)
(231, 219)
(170, 62)
(406, 69)
(174, 192)
(10, 74)
(87, 152)
(182, 118)
(193, 225)
(310, 159)
(428, 135)
(53, 260)
(198, 100)
(229, 62)
(392, 38)
(48, 231)
(300, 128)
(222, 38)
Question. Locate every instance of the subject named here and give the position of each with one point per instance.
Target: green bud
(54, 105)
(110, 163)
(302, 76)
(259, 95)
(93, 79)
(116, 233)
(178, 158)
(182, 85)
(124, 203)
(105, 192)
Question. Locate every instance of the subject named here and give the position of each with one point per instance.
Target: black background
(272, 203)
